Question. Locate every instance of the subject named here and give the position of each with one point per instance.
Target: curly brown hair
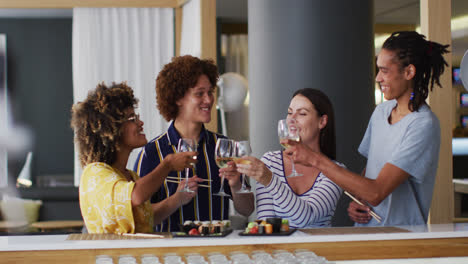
(177, 77)
(97, 122)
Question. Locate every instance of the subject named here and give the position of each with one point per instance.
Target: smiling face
(197, 102)
(395, 83)
(132, 135)
(307, 119)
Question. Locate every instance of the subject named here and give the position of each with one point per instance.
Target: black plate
(272, 234)
(223, 234)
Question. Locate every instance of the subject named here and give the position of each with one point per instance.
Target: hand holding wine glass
(185, 145)
(224, 153)
(242, 149)
(289, 129)
(255, 169)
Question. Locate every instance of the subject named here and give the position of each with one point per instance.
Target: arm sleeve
(418, 152)
(105, 201)
(365, 143)
(263, 199)
(319, 203)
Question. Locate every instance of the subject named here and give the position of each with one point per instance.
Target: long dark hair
(323, 106)
(411, 47)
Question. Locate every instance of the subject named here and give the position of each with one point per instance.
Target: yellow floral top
(106, 204)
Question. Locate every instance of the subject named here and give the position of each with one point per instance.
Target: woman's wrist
(177, 199)
(166, 163)
(236, 185)
(314, 159)
(266, 178)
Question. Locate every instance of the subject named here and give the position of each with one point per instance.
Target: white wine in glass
(241, 161)
(186, 145)
(289, 129)
(224, 153)
(223, 162)
(242, 149)
(286, 145)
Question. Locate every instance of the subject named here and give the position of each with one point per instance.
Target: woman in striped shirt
(310, 200)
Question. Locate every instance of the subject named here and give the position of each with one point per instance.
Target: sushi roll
(205, 229)
(226, 223)
(261, 229)
(217, 228)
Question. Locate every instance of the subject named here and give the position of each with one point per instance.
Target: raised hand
(300, 153)
(231, 174)
(185, 197)
(181, 160)
(255, 169)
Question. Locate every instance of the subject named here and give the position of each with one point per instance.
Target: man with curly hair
(112, 198)
(185, 95)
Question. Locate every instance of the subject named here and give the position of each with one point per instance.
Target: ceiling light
(459, 23)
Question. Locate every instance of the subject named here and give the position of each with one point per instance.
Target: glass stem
(186, 178)
(243, 182)
(221, 189)
(293, 168)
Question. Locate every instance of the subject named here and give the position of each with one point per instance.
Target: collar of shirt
(174, 136)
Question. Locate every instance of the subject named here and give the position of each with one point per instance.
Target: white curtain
(190, 42)
(122, 44)
(3, 114)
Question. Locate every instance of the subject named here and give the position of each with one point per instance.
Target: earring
(412, 96)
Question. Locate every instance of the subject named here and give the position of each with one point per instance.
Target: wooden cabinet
(434, 241)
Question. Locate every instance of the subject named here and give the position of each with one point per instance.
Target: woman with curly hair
(185, 95)
(112, 198)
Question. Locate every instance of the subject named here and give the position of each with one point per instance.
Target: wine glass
(289, 129)
(242, 149)
(185, 145)
(224, 152)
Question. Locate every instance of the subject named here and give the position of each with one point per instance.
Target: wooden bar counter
(333, 243)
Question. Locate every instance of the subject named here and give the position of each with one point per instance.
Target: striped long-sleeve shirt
(313, 208)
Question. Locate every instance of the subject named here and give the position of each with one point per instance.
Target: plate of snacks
(213, 228)
(274, 226)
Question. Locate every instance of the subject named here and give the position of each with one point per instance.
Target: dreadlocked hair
(97, 122)
(411, 47)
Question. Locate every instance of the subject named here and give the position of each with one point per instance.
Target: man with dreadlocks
(402, 139)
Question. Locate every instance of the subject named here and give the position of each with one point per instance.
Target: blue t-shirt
(205, 206)
(412, 144)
